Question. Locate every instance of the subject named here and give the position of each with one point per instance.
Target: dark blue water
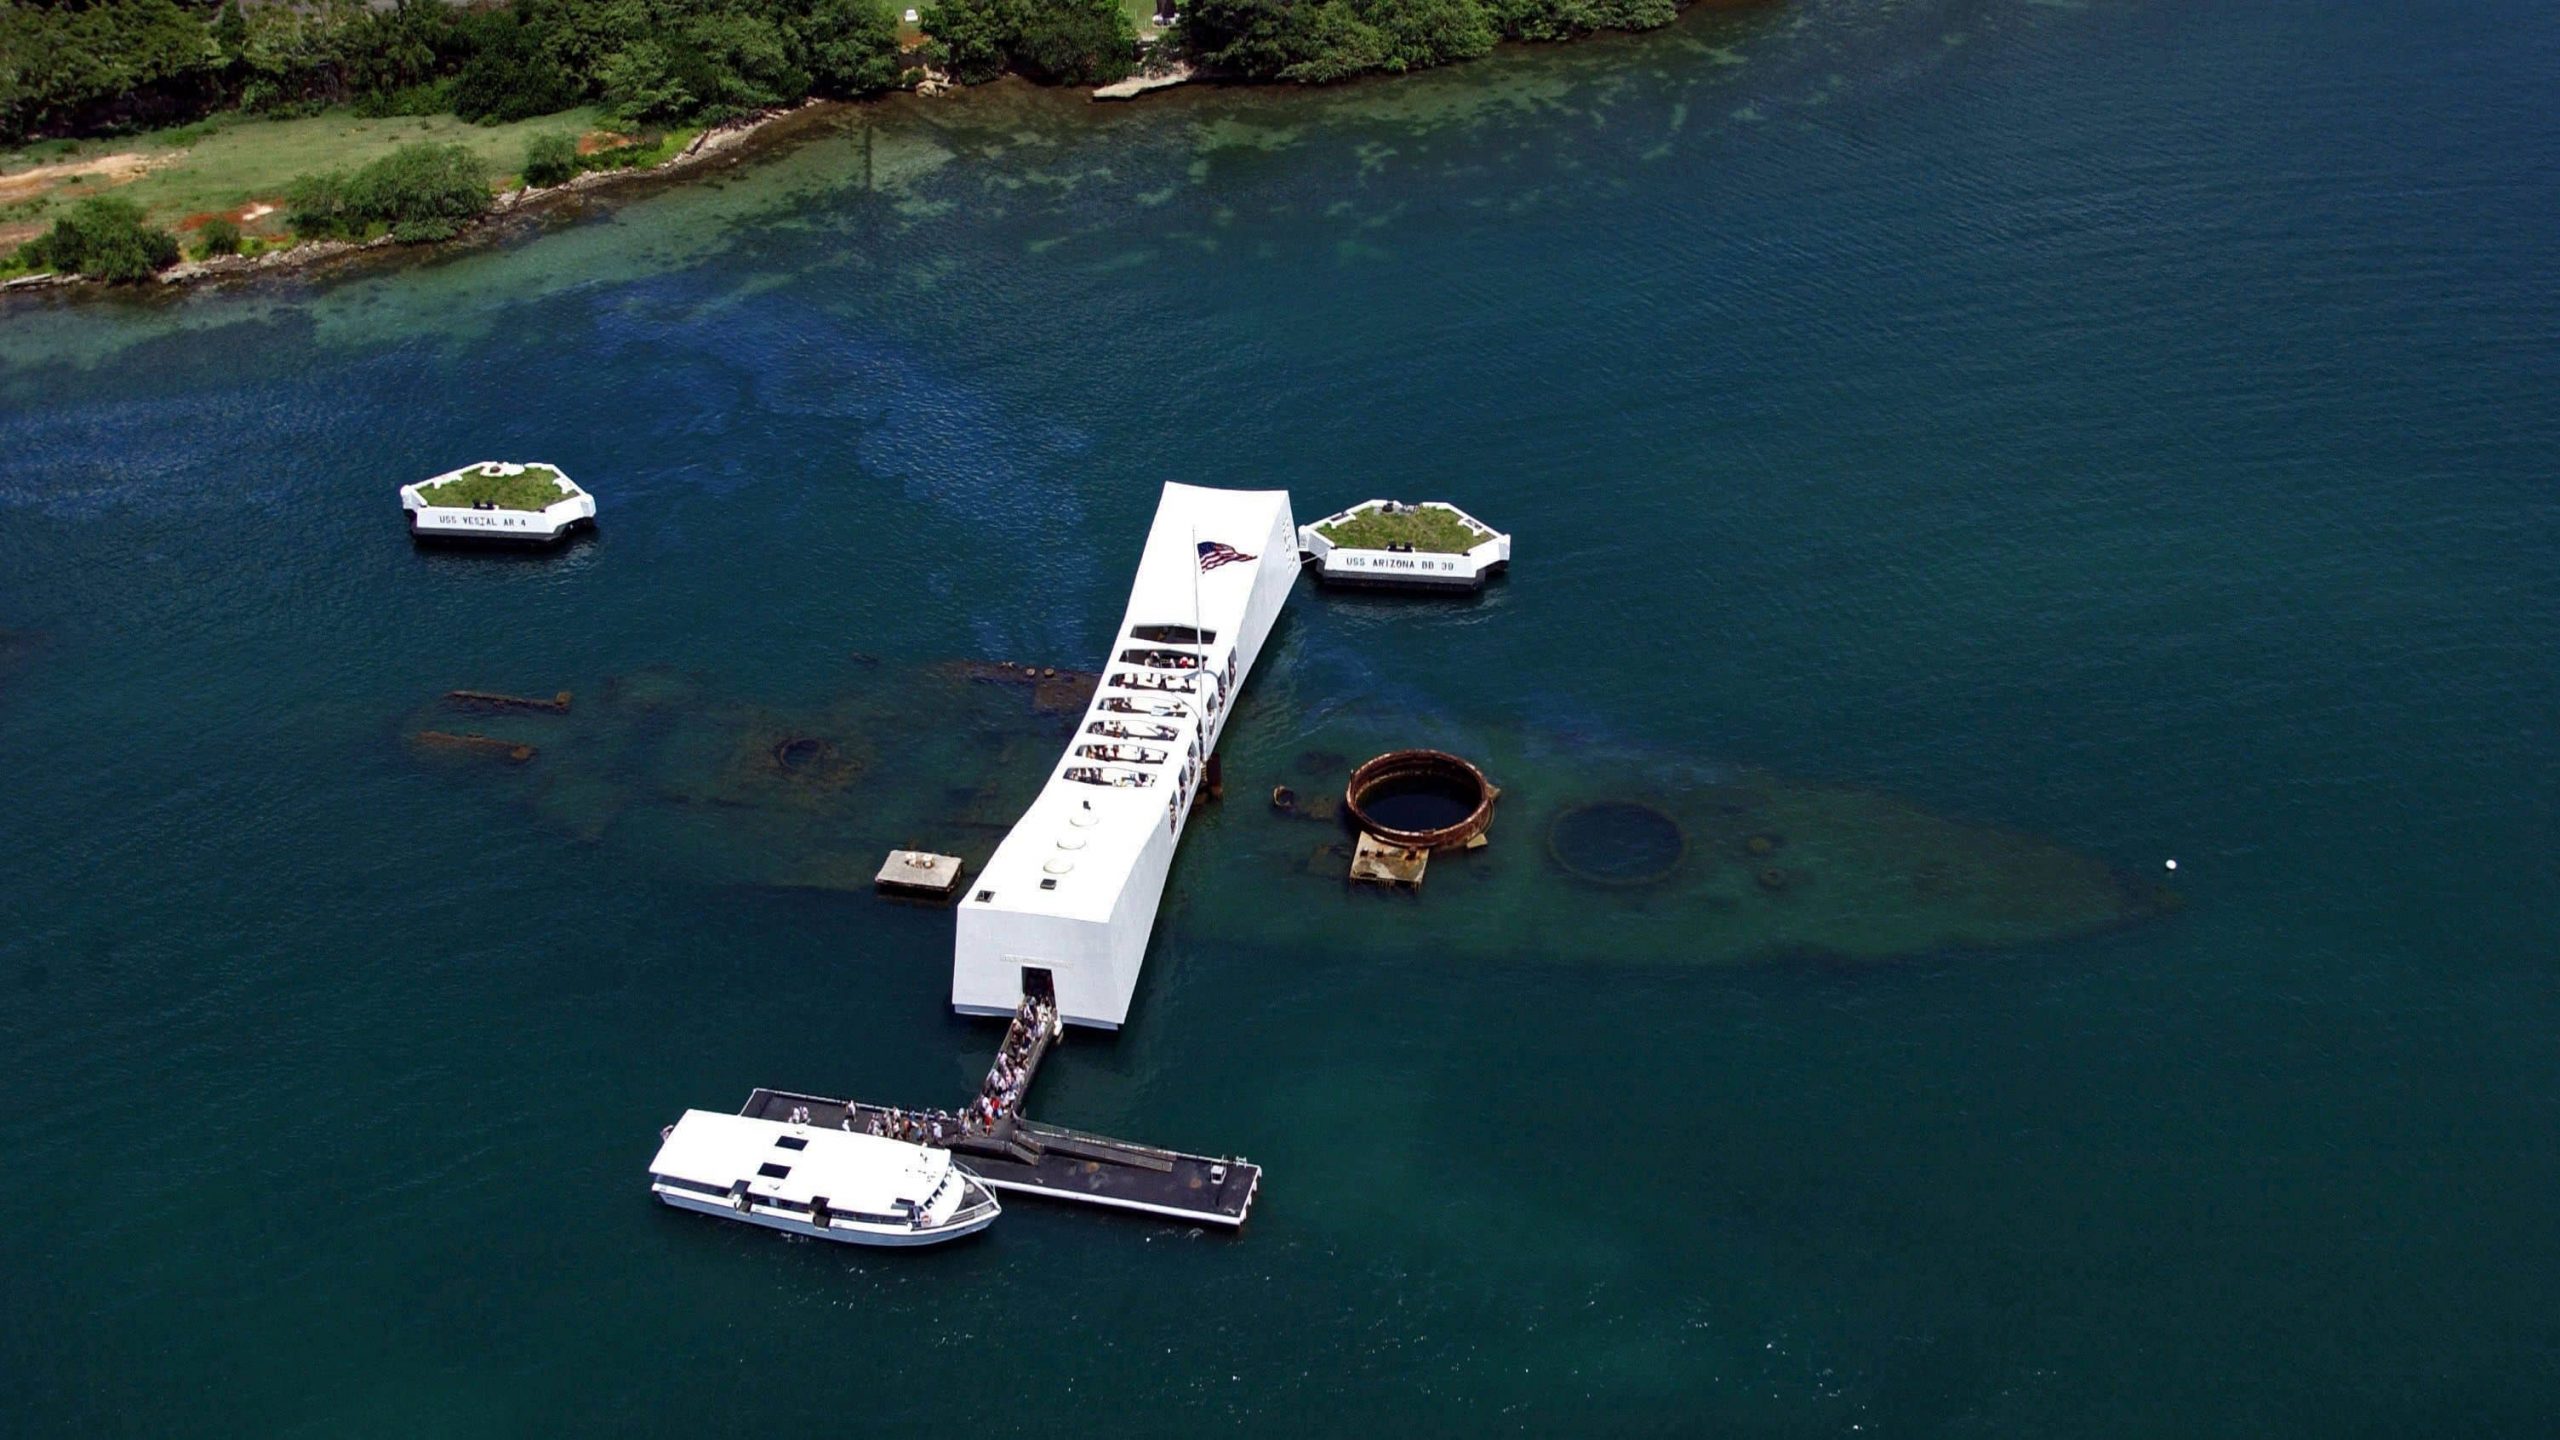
(2130, 426)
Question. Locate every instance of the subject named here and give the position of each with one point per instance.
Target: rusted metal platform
(511, 751)
(491, 700)
(1380, 863)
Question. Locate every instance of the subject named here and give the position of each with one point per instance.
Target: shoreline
(731, 139)
(522, 202)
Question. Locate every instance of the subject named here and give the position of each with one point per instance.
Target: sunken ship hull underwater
(1603, 852)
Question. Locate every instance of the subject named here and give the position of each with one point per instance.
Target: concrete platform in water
(1029, 1158)
(1443, 547)
(437, 516)
(919, 874)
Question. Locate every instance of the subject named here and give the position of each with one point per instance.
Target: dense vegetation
(417, 192)
(1432, 528)
(81, 66)
(104, 238)
(217, 237)
(87, 66)
(550, 159)
(1063, 42)
(535, 487)
(1319, 40)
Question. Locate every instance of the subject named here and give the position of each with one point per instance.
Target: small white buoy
(2173, 864)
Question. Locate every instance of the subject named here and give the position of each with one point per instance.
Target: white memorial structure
(1070, 897)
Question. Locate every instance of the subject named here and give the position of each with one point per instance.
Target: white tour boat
(828, 1184)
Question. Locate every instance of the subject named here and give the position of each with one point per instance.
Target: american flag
(1214, 554)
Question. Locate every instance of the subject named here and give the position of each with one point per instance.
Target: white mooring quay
(1067, 903)
(1403, 567)
(575, 510)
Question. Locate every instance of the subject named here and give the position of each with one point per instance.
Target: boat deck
(1025, 1157)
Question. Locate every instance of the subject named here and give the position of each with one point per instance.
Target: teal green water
(2116, 432)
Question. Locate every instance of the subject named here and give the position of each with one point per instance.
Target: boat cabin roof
(800, 1163)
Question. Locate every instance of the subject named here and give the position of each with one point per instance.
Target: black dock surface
(1029, 1158)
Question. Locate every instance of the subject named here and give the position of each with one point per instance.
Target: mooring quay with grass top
(498, 502)
(1393, 545)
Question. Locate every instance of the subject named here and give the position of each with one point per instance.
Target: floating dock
(1033, 1159)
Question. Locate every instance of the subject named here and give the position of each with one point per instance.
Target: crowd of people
(921, 1127)
(1000, 1096)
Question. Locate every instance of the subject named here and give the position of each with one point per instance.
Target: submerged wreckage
(1615, 853)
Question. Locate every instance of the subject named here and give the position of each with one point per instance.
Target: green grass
(224, 163)
(536, 489)
(1428, 528)
(626, 157)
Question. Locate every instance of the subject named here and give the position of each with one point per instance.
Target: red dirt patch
(244, 216)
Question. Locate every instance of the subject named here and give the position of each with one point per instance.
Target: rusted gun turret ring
(803, 752)
(1407, 772)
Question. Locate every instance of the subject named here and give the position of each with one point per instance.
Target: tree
(1321, 42)
(422, 191)
(512, 74)
(1074, 42)
(76, 65)
(1562, 19)
(104, 238)
(387, 51)
(1315, 41)
(650, 82)
(852, 46)
(969, 37)
(217, 236)
(550, 159)
(745, 62)
(231, 32)
(417, 192)
(1419, 34)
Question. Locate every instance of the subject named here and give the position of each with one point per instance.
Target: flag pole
(1199, 709)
